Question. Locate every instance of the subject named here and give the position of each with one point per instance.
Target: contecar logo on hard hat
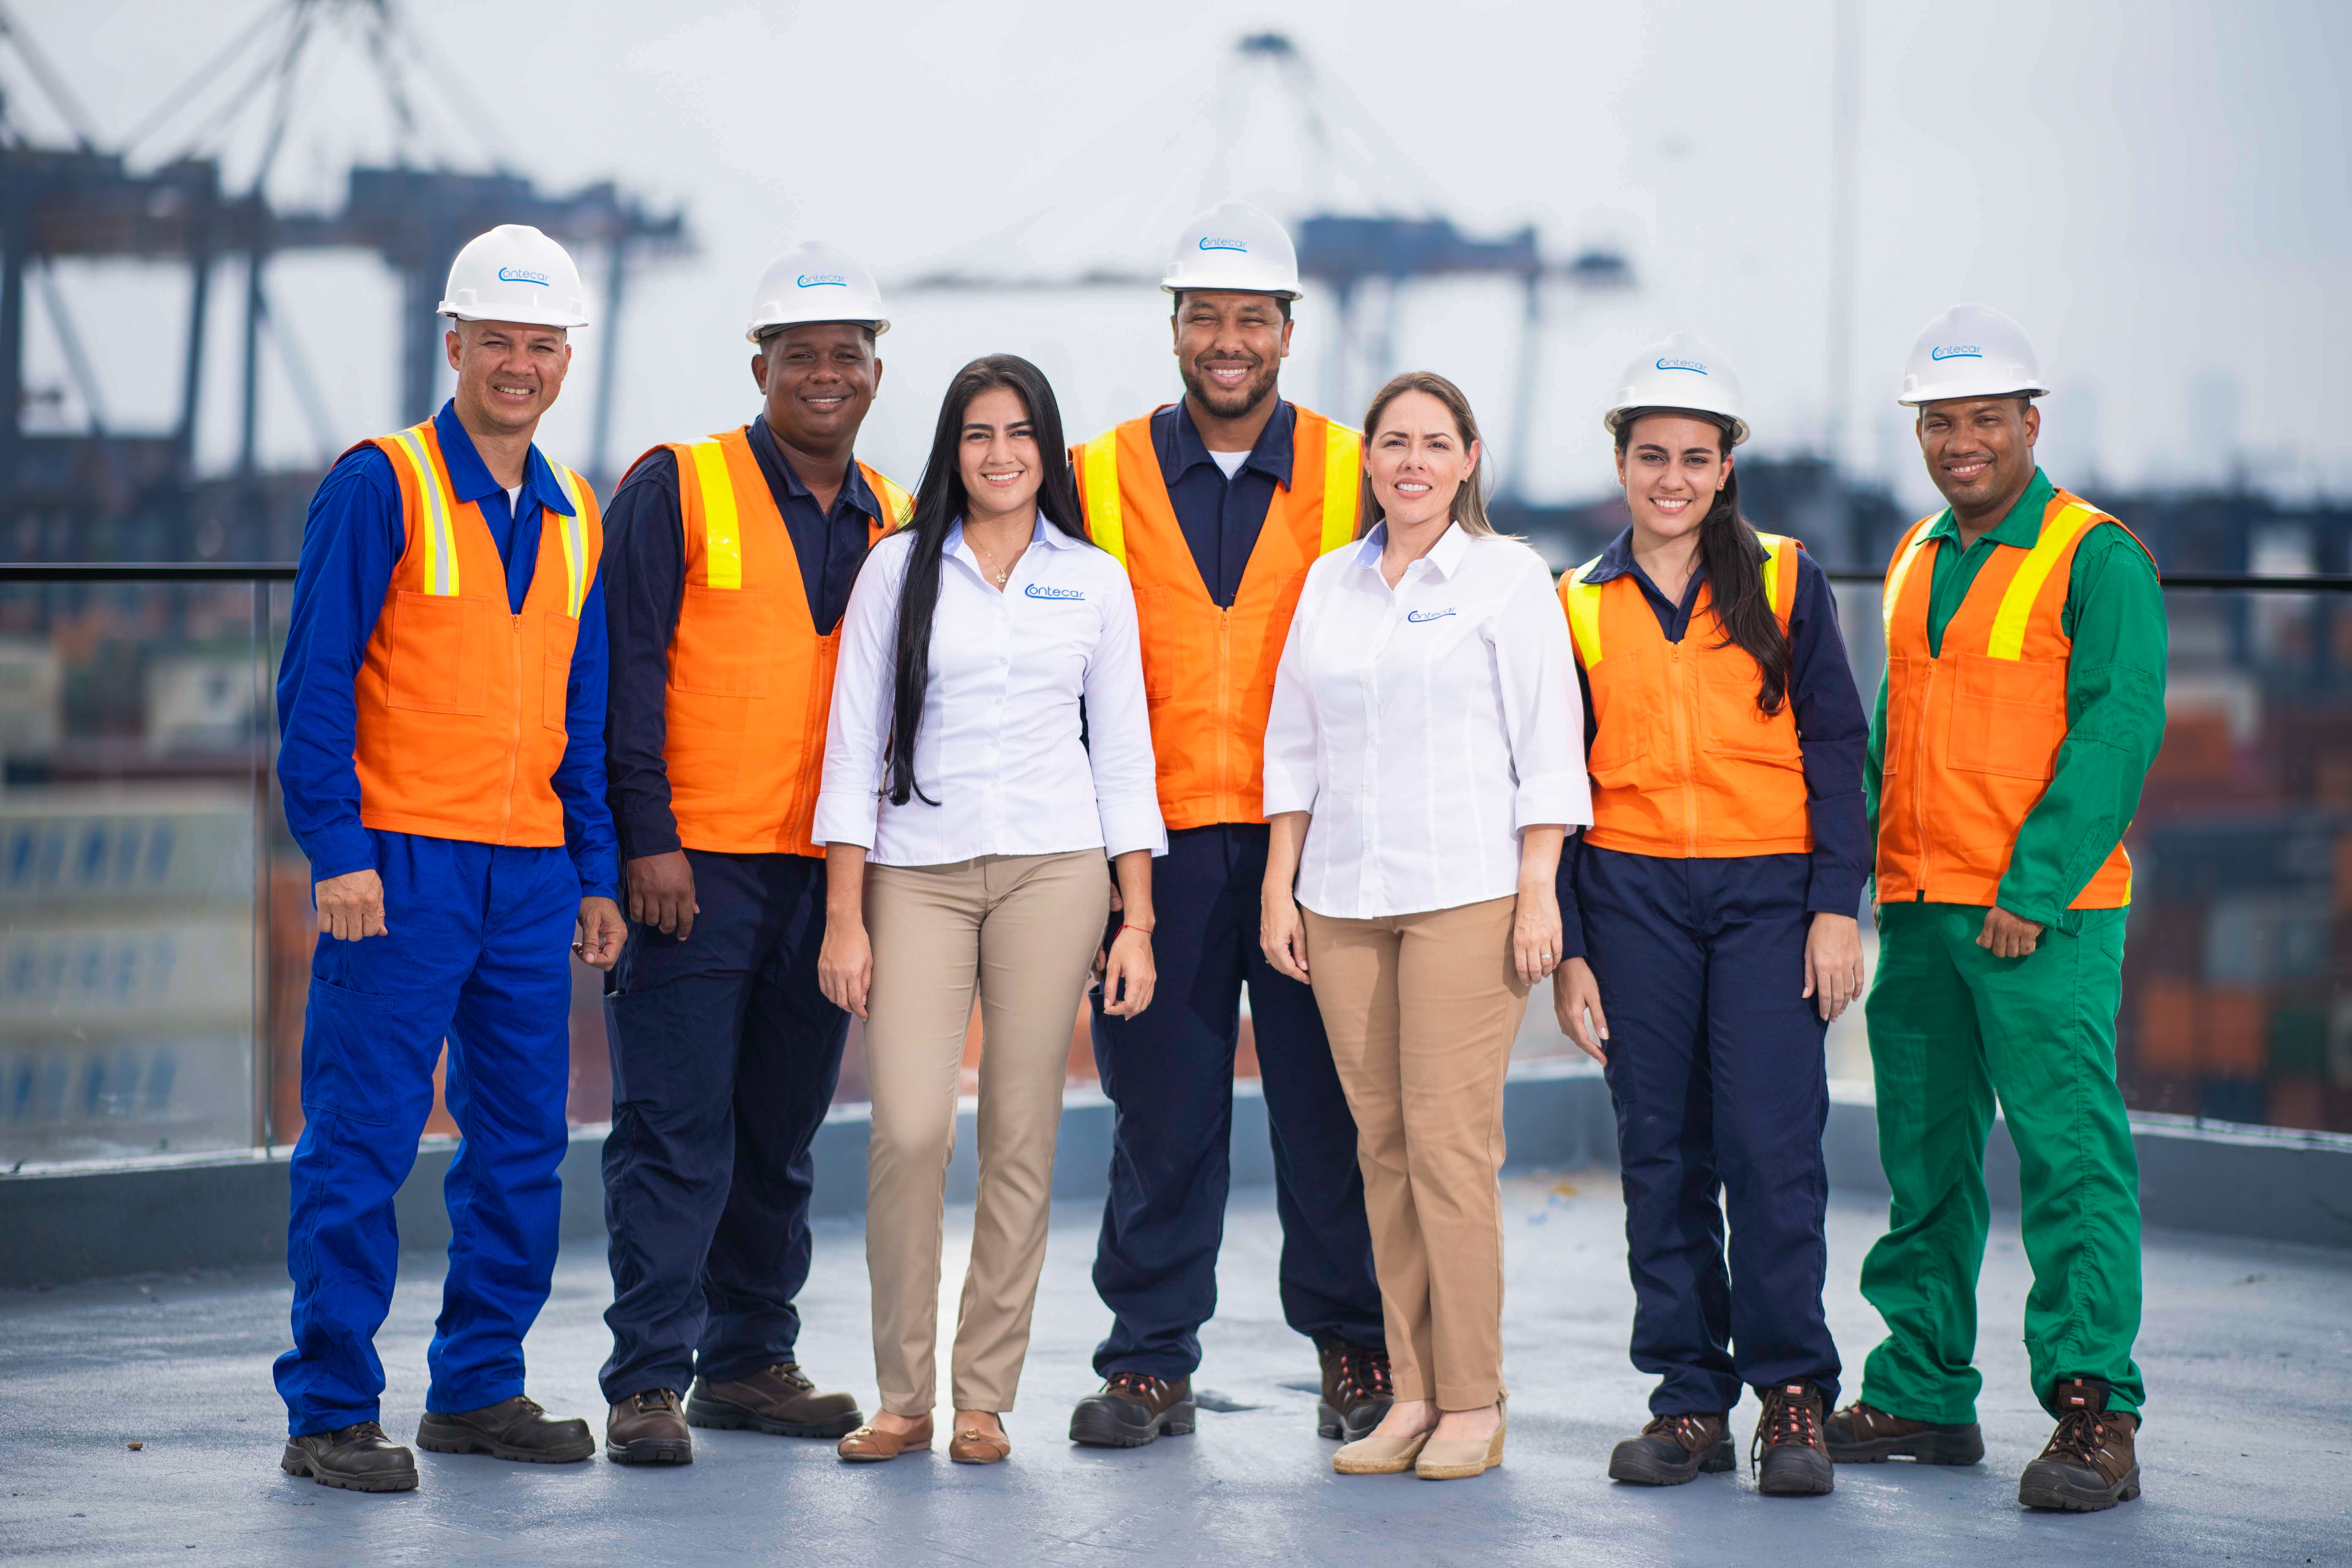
(517, 275)
(1210, 242)
(822, 280)
(1695, 366)
(1957, 351)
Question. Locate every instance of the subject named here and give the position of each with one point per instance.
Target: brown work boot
(357, 1458)
(648, 1429)
(1673, 1449)
(2089, 1464)
(1132, 1409)
(1357, 1391)
(517, 1428)
(1791, 1456)
(1864, 1435)
(779, 1400)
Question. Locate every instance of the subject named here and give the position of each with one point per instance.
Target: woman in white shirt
(1424, 760)
(965, 826)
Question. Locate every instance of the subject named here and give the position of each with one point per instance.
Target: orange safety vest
(750, 678)
(1972, 735)
(462, 703)
(1684, 765)
(1208, 672)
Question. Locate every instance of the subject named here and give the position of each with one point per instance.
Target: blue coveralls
(725, 1052)
(1715, 1063)
(477, 951)
(1170, 1070)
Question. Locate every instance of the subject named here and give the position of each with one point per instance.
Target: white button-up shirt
(998, 747)
(1424, 725)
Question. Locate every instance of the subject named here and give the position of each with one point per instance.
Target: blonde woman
(1423, 764)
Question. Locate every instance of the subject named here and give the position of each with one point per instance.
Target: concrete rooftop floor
(2248, 1351)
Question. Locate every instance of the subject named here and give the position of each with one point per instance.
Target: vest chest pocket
(2009, 715)
(724, 644)
(555, 701)
(438, 660)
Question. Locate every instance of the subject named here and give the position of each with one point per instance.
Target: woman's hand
(1833, 962)
(1576, 1004)
(1535, 931)
(1128, 975)
(844, 965)
(1282, 934)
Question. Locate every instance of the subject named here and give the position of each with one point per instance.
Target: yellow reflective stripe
(898, 506)
(2009, 622)
(1901, 574)
(440, 534)
(722, 539)
(1098, 462)
(576, 542)
(1583, 601)
(1343, 457)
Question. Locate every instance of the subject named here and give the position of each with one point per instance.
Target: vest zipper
(1682, 752)
(514, 740)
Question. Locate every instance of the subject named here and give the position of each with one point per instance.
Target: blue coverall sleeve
(579, 777)
(1834, 738)
(349, 544)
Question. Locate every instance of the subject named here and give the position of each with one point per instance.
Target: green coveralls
(1951, 1026)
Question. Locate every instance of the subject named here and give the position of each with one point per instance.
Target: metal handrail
(283, 572)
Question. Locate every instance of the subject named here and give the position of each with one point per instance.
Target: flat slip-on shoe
(1458, 1458)
(869, 1446)
(1378, 1456)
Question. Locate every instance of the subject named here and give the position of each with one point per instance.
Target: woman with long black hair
(966, 825)
(1710, 917)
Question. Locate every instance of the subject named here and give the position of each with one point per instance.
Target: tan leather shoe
(974, 1446)
(869, 1445)
(1378, 1456)
(1458, 1458)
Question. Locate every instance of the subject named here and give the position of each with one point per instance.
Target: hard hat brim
(522, 316)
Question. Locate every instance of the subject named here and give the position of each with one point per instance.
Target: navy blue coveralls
(1716, 1061)
(477, 950)
(1169, 1072)
(725, 1052)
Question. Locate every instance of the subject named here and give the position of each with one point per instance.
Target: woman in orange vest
(1710, 920)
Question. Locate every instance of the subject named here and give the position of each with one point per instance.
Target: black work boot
(1864, 1435)
(1132, 1409)
(515, 1428)
(648, 1429)
(1673, 1449)
(779, 1400)
(357, 1458)
(1357, 1391)
(1791, 1455)
(2090, 1464)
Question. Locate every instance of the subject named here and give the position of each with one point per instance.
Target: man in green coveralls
(2001, 902)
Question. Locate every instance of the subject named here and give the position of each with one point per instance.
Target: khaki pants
(1422, 1010)
(1023, 929)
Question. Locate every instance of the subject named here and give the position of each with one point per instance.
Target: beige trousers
(1422, 1010)
(1023, 929)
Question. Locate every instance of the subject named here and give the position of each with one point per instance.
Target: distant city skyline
(2161, 193)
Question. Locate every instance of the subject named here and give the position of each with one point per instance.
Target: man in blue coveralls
(441, 707)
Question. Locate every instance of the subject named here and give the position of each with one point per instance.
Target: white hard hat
(814, 281)
(514, 273)
(1236, 247)
(1971, 351)
(1679, 371)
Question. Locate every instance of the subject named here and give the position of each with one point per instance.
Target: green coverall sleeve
(2115, 723)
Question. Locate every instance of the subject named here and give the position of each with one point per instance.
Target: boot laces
(1364, 1370)
(1790, 1416)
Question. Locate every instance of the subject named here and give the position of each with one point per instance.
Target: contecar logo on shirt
(822, 280)
(1423, 617)
(1039, 591)
(517, 275)
(1957, 351)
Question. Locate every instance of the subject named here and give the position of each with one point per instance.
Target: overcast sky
(2161, 192)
